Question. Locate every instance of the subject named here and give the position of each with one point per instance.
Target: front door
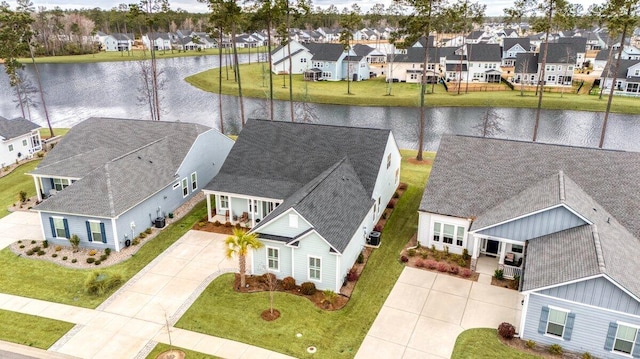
(492, 247)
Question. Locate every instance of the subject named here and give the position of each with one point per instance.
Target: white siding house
(19, 139)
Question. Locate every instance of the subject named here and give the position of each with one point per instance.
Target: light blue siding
(280, 226)
(539, 224)
(589, 329)
(260, 259)
(77, 225)
(238, 206)
(313, 245)
(599, 292)
(354, 248)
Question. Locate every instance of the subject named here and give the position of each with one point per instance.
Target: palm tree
(239, 244)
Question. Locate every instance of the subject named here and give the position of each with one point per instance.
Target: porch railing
(510, 272)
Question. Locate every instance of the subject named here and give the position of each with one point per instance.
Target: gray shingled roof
(559, 53)
(416, 55)
(622, 69)
(484, 52)
(510, 42)
(324, 51)
(14, 128)
(476, 177)
(284, 156)
(527, 61)
(335, 204)
(119, 163)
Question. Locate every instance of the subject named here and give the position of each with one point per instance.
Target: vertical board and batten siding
(280, 226)
(259, 257)
(536, 225)
(590, 326)
(313, 245)
(599, 292)
(78, 226)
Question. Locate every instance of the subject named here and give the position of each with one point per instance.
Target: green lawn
(484, 344)
(13, 183)
(134, 55)
(373, 93)
(222, 312)
(58, 131)
(190, 354)
(31, 330)
(50, 282)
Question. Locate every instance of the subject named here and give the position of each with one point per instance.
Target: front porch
(238, 209)
(488, 265)
(490, 254)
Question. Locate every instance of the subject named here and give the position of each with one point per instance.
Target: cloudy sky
(494, 7)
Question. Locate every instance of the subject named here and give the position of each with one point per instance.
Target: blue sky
(494, 7)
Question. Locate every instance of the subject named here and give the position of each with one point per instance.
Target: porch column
(208, 195)
(474, 252)
(253, 212)
(36, 179)
(230, 211)
(503, 250)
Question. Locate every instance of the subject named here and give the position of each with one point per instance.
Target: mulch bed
(538, 349)
(504, 283)
(425, 161)
(213, 227)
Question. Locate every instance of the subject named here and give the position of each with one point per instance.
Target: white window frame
(24, 143)
(11, 148)
(224, 200)
(194, 181)
(275, 259)
(62, 182)
(564, 325)
(55, 226)
(185, 187)
(293, 220)
(93, 233)
(315, 268)
(176, 185)
(633, 342)
(454, 239)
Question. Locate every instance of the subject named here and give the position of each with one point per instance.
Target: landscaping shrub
(454, 269)
(103, 257)
(23, 196)
(91, 260)
(360, 258)
(404, 259)
(33, 242)
(142, 235)
(40, 253)
(217, 223)
(461, 262)
(45, 244)
(148, 230)
(288, 283)
(402, 186)
(396, 194)
(530, 344)
(587, 355)
(36, 249)
(424, 254)
(308, 288)
(352, 276)
(22, 246)
(465, 254)
(446, 251)
(377, 228)
(265, 278)
(64, 258)
(201, 224)
(329, 296)
(420, 263)
(411, 252)
(54, 255)
(30, 252)
(555, 349)
(384, 215)
(99, 283)
(74, 260)
(466, 272)
(135, 241)
(437, 255)
(97, 262)
(391, 204)
(499, 274)
(93, 252)
(431, 264)
(58, 248)
(20, 241)
(443, 267)
(506, 330)
(227, 224)
(75, 242)
(107, 251)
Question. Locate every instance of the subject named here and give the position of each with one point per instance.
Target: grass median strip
(483, 343)
(161, 348)
(47, 281)
(31, 330)
(222, 312)
(373, 92)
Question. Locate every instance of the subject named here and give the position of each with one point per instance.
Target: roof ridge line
(598, 246)
(562, 188)
(333, 169)
(109, 193)
(139, 148)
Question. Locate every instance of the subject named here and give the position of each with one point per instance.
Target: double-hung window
(58, 226)
(96, 232)
(194, 181)
(185, 187)
(625, 339)
(273, 258)
(315, 268)
(447, 234)
(60, 183)
(437, 229)
(556, 322)
(224, 202)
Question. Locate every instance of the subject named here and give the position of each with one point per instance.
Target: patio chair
(244, 217)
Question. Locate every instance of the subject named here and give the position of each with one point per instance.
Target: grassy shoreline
(373, 93)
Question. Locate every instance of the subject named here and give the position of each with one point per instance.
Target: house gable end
(280, 225)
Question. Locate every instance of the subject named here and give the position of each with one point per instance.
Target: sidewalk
(134, 319)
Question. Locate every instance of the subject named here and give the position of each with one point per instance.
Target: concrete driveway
(426, 311)
(19, 225)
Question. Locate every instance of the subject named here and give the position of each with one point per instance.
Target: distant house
(526, 68)
(313, 196)
(484, 62)
(160, 40)
(117, 42)
(561, 60)
(300, 58)
(512, 47)
(19, 139)
(407, 66)
(628, 78)
(108, 180)
(190, 43)
(554, 218)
